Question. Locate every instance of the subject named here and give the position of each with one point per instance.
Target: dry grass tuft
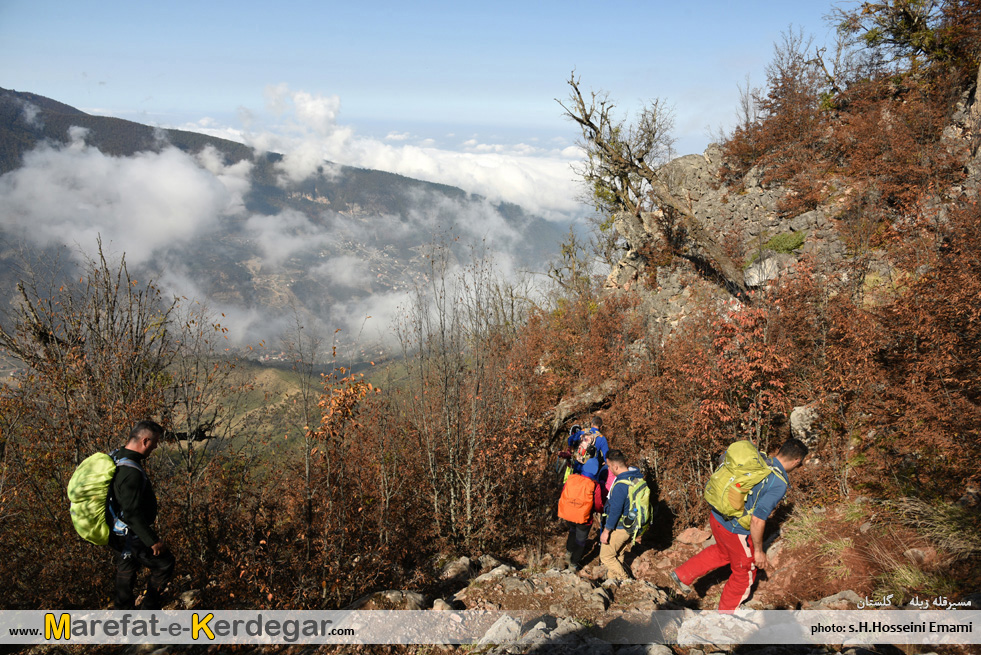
(951, 529)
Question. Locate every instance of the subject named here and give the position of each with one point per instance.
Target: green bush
(786, 242)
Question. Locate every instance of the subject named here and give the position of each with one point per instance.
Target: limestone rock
(715, 630)
(499, 572)
(517, 586)
(460, 570)
(804, 423)
(694, 536)
(505, 630)
(488, 562)
(840, 601)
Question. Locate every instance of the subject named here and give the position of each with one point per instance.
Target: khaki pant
(611, 554)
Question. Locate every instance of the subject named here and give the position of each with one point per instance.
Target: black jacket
(135, 498)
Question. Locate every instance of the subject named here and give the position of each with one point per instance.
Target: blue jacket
(602, 447)
(763, 498)
(619, 502)
(591, 469)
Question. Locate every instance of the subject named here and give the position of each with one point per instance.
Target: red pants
(736, 550)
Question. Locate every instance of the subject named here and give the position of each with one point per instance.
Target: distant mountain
(340, 244)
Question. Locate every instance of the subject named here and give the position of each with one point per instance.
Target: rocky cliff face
(746, 220)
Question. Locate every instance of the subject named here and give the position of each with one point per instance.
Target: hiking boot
(682, 587)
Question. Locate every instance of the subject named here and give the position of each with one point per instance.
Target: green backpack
(89, 492)
(728, 488)
(637, 518)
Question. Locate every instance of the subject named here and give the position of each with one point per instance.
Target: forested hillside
(821, 261)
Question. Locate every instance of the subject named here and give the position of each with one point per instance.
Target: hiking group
(742, 494)
(113, 503)
(598, 479)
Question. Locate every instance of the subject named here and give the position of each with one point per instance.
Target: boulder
(488, 562)
(498, 572)
(693, 536)
(459, 570)
(845, 600)
(517, 586)
(713, 629)
(390, 600)
(804, 423)
(505, 630)
(646, 649)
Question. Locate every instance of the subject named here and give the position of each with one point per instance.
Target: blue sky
(456, 92)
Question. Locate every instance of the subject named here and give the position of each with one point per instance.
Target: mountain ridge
(337, 219)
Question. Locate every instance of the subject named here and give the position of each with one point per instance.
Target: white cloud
(30, 113)
(344, 271)
(369, 320)
(285, 235)
(153, 206)
(307, 132)
(540, 181)
(150, 201)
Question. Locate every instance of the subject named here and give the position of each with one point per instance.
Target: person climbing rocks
(735, 544)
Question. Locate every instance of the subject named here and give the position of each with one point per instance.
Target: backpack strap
(116, 524)
(759, 485)
(126, 461)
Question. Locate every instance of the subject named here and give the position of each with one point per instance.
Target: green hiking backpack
(742, 469)
(637, 518)
(89, 491)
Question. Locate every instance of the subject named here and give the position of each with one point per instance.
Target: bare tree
(623, 164)
(304, 347)
(95, 352)
(455, 400)
(204, 414)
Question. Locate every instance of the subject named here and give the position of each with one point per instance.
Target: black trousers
(132, 555)
(575, 544)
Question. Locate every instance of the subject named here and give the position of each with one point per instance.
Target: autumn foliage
(451, 450)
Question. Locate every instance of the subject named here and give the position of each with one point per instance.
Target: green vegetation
(802, 527)
(832, 557)
(954, 530)
(905, 580)
(786, 242)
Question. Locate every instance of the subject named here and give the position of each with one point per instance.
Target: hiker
(737, 546)
(133, 537)
(584, 495)
(615, 539)
(586, 444)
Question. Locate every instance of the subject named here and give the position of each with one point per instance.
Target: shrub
(787, 242)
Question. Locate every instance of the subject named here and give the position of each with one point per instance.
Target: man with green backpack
(742, 493)
(627, 515)
(113, 503)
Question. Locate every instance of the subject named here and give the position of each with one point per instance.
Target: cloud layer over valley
(307, 129)
(258, 239)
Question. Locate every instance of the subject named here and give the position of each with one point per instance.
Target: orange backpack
(576, 502)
